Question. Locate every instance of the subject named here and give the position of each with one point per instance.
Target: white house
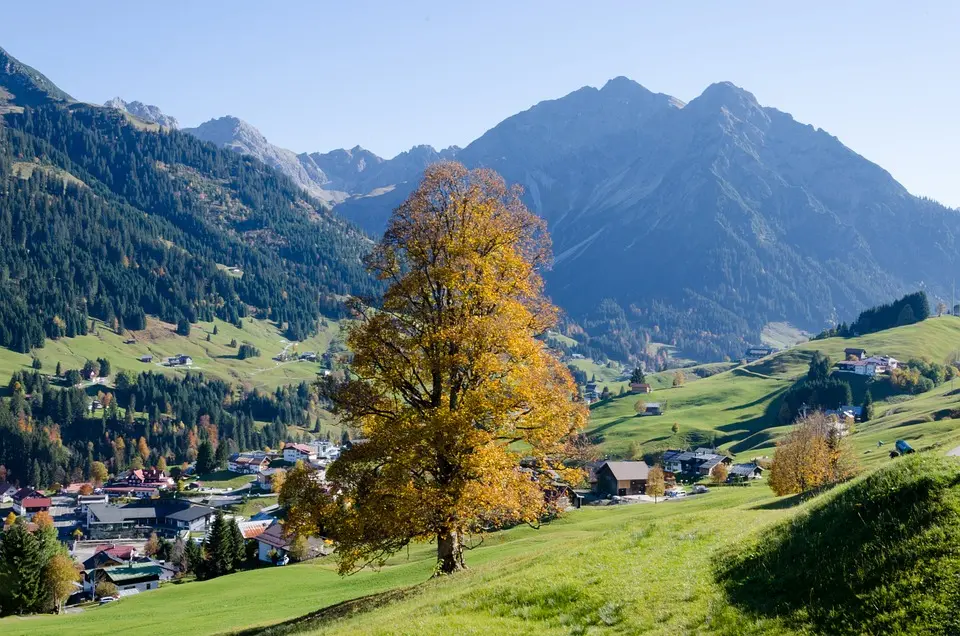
(248, 463)
(296, 452)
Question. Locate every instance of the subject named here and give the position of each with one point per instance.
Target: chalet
(309, 356)
(860, 367)
(854, 353)
(178, 360)
(591, 393)
(274, 547)
(622, 478)
(73, 489)
(253, 529)
(106, 521)
(248, 463)
(27, 502)
(295, 452)
(7, 491)
(108, 555)
(744, 472)
(265, 477)
(696, 462)
(129, 577)
(641, 387)
(147, 358)
(144, 478)
(755, 353)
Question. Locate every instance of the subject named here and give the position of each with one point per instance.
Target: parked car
(107, 599)
(676, 493)
(700, 489)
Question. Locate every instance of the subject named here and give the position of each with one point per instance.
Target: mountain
(22, 85)
(101, 216)
(700, 223)
(145, 112)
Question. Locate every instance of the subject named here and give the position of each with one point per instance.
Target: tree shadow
(326, 615)
(785, 503)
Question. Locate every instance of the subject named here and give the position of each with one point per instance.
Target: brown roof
(627, 471)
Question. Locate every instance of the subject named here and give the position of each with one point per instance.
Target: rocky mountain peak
(146, 112)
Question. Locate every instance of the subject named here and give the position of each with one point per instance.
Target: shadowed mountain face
(22, 85)
(709, 219)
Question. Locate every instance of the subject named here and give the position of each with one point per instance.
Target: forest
(49, 434)
(99, 218)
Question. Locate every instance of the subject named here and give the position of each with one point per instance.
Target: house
(274, 547)
(641, 387)
(144, 478)
(108, 555)
(178, 360)
(265, 478)
(744, 472)
(141, 577)
(701, 461)
(107, 521)
(147, 358)
(854, 353)
(867, 368)
(591, 393)
(248, 463)
(295, 452)
(74, 488)
(309, 356)
(7, 491)
(253, 529)
(755, 353)
(622, 478)
(139, 492)
(28, 502)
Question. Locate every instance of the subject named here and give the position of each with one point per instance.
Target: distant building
(641, 387)
(295, 452)
(622, 478)
(854, 352)
(248, 463)
(27, 502)
(178, 360)
(696, 462)
(147, 358)
(744, 472)
(170, 516)
(755, 353)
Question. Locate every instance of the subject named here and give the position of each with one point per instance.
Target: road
(954, 453)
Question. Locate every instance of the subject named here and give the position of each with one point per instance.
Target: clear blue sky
(881, 75)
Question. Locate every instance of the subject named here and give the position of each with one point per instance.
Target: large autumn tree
(451, 388)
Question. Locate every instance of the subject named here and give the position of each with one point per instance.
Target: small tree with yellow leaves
(656, 483)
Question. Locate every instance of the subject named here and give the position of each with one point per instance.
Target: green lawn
(223, 479)
(215, 358)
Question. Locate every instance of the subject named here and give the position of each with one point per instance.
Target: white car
(677, 493)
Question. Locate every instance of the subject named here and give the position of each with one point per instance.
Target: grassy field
(224, 479)
(739, 407)
(581, 564)
(215, 358)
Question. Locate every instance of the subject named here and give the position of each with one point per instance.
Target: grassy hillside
(878, 556)
(739, 407)
(215, 358)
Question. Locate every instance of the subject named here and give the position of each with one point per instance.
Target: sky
(312, 75)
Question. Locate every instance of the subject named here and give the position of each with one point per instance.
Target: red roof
(36, 502)
(124, 552)
(303, 448)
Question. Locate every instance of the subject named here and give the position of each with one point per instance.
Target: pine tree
(59, 369)
(867, 412)
(21, 570)
(239, 545)
(219, 547)
(205, 460)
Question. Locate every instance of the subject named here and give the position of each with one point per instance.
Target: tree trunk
(450, 552)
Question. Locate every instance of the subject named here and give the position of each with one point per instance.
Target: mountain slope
(22, 85)
(705, 221)
(99, 217)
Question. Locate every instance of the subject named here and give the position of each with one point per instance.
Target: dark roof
(24, 493)
(627, 471)
(6, 488)
(273, 536)
(854, 350)
(744, 470)
(191, 514)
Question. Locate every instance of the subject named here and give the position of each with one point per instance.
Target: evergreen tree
(222, 454)
(867, 412)
(220, 550)
(239, 545)
(637, 376)
(59, 369)
(206, 463)
(183, 327)
(21, 570)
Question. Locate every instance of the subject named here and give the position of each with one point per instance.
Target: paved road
(954, 453)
